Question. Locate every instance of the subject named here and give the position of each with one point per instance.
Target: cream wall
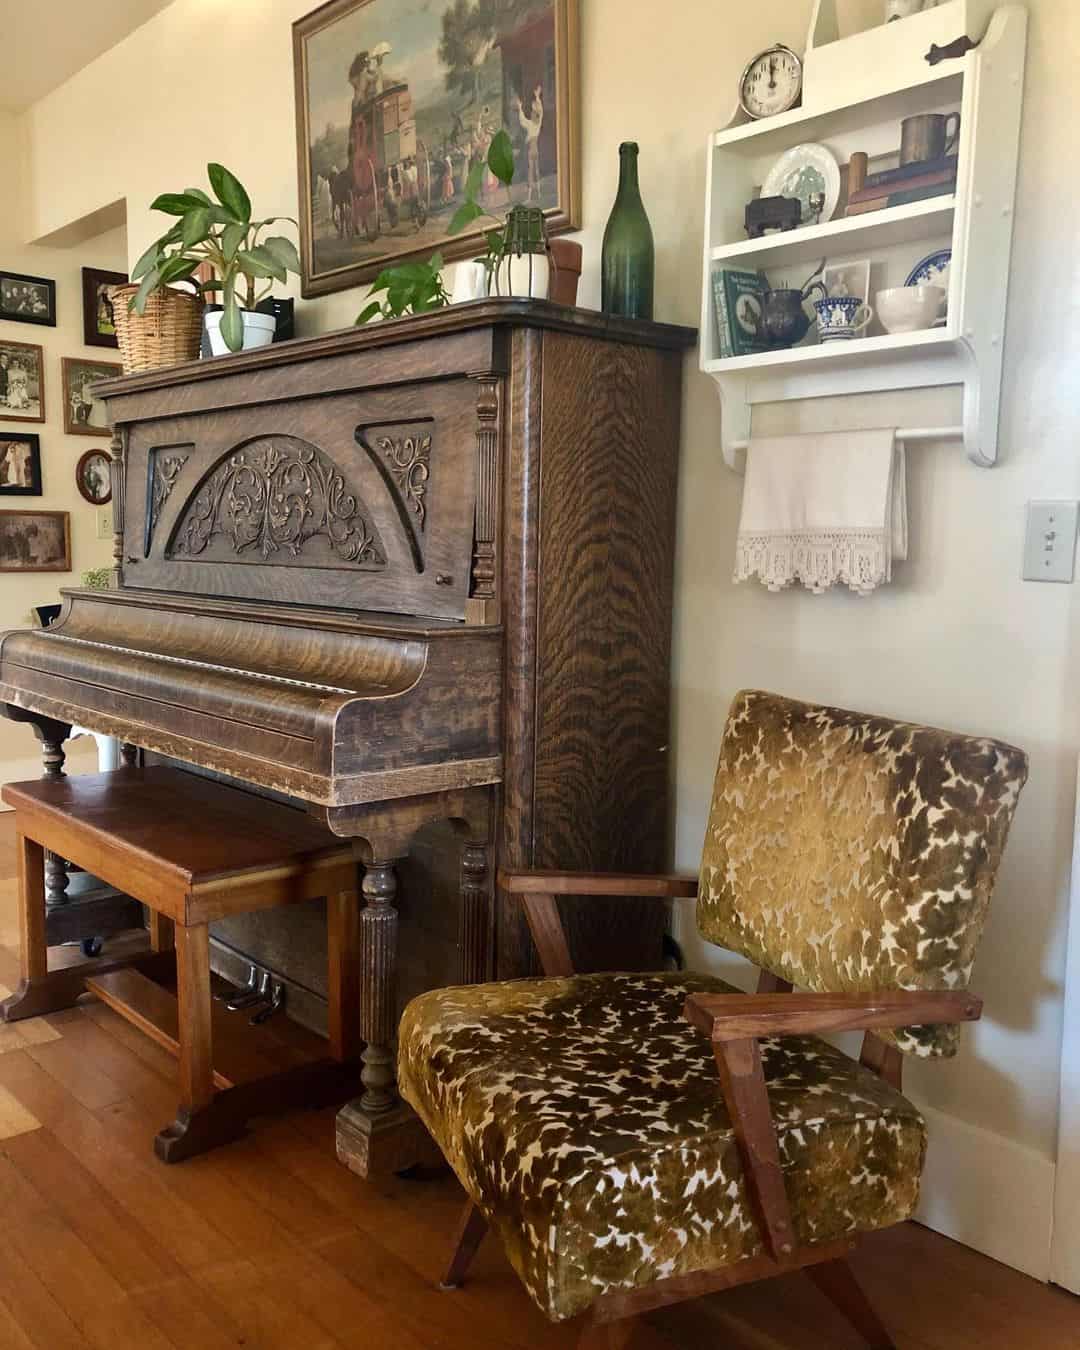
(958, 640)
(20, 591)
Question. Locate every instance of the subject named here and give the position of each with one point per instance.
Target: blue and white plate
(934, 271)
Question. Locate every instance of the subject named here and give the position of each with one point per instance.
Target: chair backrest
(848, 853)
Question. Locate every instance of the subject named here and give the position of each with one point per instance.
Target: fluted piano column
(378, 998)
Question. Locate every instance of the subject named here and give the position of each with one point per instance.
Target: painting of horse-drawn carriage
(397, 100)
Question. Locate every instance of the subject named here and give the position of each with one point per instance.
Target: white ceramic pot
(512, 277)
(258, 330)
(470, 282)
(907, 309)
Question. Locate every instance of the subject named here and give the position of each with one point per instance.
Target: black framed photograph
(35, 541)
(22, 382)
(84, 412)
(98, 327)
(20, 464)
(27, 299)
(93, 479)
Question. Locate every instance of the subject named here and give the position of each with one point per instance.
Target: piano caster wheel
(92, 947)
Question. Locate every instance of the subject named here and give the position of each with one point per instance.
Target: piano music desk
(193, 851)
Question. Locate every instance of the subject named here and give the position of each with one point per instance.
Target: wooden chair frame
(735, 1023)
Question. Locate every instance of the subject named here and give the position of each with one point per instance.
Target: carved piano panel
(358, 501)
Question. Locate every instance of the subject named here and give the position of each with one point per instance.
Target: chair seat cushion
(584, 1116)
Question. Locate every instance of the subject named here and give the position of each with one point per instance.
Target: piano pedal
(257, 990)
(277, 1002)
(249, 986)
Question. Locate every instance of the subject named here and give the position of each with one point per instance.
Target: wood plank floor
(269, 1244)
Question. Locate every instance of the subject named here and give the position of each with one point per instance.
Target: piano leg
(378, 1134)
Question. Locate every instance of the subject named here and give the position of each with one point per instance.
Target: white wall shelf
(912, 223)
(893, 81)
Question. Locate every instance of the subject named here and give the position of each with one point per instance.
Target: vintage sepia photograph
(22, 382)
(20, 464)
(398, 99)
(27, 299)
(35, 541)
(84, 412)
(98, 327)
(92, 477)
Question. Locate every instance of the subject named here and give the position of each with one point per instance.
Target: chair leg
(837, 1282)
(470, 1234)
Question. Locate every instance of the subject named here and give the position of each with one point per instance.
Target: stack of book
(739, 301)
(897, 187)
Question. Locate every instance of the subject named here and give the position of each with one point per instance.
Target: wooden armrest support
(599, 883)
(740, 1017)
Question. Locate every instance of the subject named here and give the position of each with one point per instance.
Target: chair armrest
(741, 1017)
(599, 883)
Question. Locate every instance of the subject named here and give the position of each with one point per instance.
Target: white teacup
(907, 309)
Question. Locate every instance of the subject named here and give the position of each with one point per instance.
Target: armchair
(637, 1140)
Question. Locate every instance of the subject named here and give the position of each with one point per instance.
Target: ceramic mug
(842, 317)
(928, 136)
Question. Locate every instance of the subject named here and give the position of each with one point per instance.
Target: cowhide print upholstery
(585, 1117)
(849, 853)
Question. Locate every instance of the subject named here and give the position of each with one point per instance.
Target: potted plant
(245, 261)
(417, 287)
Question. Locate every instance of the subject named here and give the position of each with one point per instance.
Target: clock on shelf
(771, 83)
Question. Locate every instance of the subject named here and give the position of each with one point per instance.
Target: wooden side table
(193, 851)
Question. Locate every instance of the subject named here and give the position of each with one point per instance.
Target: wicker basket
(166, 335)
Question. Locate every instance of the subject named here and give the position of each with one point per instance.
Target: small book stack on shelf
(909, 183)
(740, 326)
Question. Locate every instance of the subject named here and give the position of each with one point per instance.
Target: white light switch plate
(1050, 541)
(104, 522)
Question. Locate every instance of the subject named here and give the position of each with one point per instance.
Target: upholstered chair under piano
(637, 1140)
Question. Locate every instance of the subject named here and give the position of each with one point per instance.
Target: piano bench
(193, 851)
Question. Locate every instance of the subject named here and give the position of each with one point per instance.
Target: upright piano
(412, 572)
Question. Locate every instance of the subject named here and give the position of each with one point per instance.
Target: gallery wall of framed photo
(54, 342)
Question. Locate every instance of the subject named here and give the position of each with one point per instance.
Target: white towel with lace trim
(823, 509)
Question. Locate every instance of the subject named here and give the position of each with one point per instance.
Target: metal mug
(783, 317)
(928, 136)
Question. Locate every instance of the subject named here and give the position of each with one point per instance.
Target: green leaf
(284, 250)
(146, 261)
(199, 193)
(232, 320)
(230, 193)
(368, 312)
(500, 157)
(212, 285)
(149, 285)
(466, 213)
(196, 226)
(176, 268)
(260, 262)
(232, 236)
(175, 203)
(475, 178)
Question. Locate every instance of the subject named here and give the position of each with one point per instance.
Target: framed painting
(397, 99)
(98, 329)
(35, 541)
(27, 299)
(84, 412)
(22, 382)
(20, 464)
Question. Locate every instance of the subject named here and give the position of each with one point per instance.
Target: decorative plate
(934, 271)
(802, 171)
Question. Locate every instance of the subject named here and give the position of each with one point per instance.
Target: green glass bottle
(628, 260)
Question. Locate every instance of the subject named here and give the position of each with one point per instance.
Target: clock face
(772, 83)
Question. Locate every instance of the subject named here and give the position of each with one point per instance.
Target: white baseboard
(988, 1192)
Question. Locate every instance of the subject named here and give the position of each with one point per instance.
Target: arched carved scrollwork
(277, 494)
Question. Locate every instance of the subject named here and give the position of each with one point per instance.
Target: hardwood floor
(269, 1244)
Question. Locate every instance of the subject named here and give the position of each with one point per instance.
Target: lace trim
(861, 559)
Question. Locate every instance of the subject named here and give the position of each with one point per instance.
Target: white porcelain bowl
(907, 309)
